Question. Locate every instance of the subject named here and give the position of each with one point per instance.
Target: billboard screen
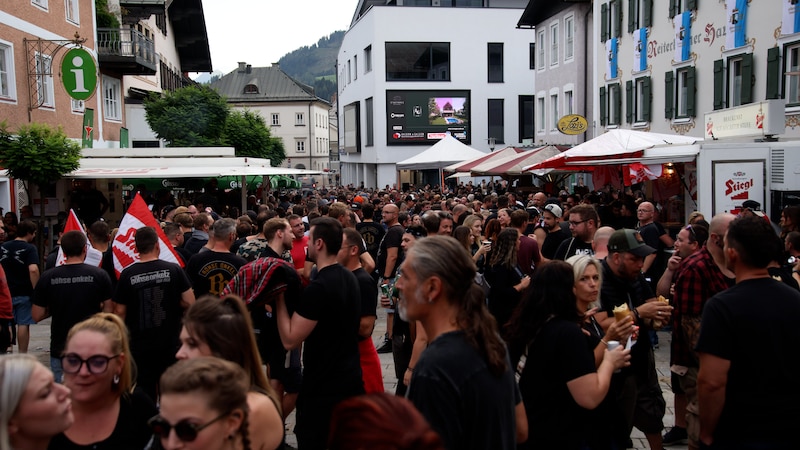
(425, 117)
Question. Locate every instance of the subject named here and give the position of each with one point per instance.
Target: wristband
(410, 369)
(636, 315)
(604, 342)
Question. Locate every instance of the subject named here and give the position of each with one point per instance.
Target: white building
(409, 74)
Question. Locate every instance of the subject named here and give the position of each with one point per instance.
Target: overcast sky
(259, 32)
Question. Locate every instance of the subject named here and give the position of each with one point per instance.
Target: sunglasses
(71, 363)
(691, 230)
(185, 430)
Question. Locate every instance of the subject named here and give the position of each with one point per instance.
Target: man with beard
(583, 223)
(551, 234)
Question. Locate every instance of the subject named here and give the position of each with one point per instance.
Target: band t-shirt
(210, 271)
(16, 256)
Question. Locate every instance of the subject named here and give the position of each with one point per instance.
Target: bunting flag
(611, 62)
(638, 172)
(683, 35)
(94, 257)
(791, 17)
(124, 247)
(737, 24)
(640, 49)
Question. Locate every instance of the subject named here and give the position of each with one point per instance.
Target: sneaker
(386, 346)
(676, 436)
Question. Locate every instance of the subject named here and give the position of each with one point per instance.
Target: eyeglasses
(185, 430)
(573, 223)
(97, 364)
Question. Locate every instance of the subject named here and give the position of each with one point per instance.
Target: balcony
(136, 10)
(126, 51)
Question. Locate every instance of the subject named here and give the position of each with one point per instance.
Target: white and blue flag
(683, 35)
(640, 49)
(737, 24)
(791, 17)
(611, 58)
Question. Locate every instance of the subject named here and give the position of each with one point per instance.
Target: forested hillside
(315, 65)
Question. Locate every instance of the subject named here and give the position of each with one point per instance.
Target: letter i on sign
(79, 73)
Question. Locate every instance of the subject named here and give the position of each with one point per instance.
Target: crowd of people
(514, 322)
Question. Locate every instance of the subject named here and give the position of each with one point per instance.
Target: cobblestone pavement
(40, 344)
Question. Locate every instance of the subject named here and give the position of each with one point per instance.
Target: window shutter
(603, 106)
(618, 104)
(629, 101)
(691, 5)
(648, 13)
(619, 18)
(719, 84)
(604, 22)
(673, 6)
(691, 96)
(648, 98)
(669, 95)
(631, 15)
(747, 78)
(773, 73)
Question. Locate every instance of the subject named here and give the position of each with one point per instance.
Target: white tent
(467, 165)
(441, 154)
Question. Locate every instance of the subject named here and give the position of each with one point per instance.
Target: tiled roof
(272, 85)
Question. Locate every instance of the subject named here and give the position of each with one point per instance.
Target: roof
(443, 153)
(271, 83)
(539, 10)
(191, 38)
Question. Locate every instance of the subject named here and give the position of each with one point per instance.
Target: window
(299, 119)
(7, 80)
(78, 106)
(610, 20)
(526, 117)
(417, 61)
(640, 14)
(370, 123)
(276, 120)
(355, 67)
(40, 3)
(554, 44)
(540, 115)
(349, 72)
(44, 80)
(678, 6)
(532, 56)
(300, 146)
(73, 14)
(610, 105)
(554, 112)
(495, 62)
(792, 74)
(251, 89)
(569, 38)
(569, 103)
(368, 59)
(680, 95)
(637, 94)
(496, 120)
(112, 109)
(540, 55)
(733, 85)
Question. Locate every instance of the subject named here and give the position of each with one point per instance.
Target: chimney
(249, 68)
(276, 65)
(242, 66)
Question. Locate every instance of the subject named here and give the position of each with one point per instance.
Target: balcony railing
(127, 49)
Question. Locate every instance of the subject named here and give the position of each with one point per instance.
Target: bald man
(600, 242)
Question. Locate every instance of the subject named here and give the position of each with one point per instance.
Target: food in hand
(622, 312)
(657, 323)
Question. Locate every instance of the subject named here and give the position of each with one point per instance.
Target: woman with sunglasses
(109, 414)
(203, 406)
(222, 328)
(33, 407)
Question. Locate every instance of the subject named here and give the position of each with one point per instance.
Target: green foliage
(38, 153)
(315, 65)
(193, 116)
(247, 132)
(104, 18)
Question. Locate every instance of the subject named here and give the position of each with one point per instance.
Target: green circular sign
(79, 73)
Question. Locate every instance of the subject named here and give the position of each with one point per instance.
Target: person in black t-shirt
(210, 271)
(371, 231)
(327, 319)
(551, 234)
(583, 223)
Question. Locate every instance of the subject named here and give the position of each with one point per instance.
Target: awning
(516, 163)
(466, 166)
(122, 167)
(460, 175)
(657, 155)
(447, 151)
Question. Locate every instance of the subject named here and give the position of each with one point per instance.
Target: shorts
(5, 335)
(642, 400)
(689, 385)
(23, 307)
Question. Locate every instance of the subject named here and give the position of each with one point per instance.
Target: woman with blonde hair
(221, 327)
(33, 407)
(109, 413)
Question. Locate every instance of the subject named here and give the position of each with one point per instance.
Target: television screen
(425, 117)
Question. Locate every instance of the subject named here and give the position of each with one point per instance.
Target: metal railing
(126, 42)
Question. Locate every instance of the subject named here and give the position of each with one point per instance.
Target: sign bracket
(38, 69)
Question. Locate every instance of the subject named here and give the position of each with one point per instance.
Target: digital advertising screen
(425, 117)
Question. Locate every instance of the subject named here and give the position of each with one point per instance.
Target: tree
(38, 154)
(193, 116)
(247, 132)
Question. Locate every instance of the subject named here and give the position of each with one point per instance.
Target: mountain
(208, 78)
(315, 65)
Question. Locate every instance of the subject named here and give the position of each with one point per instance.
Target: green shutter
(648, 13)
(619, 18)
(673, 8)
(618, 104)
(691, 92)
(719, 84)
(747, 78)
(629, 101)
(691, 5)
(603, 106)
(631, 15)
(773, 73)
(648, 98)
(603, 22)
(669, 95)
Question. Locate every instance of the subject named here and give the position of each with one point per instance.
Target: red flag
(124, 247)
(638, 172)
(93, 256)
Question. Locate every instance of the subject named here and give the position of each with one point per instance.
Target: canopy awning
(467, 165)
(443, 153)
(122, 167)
(513, 166)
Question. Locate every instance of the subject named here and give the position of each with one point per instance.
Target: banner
(640, 49)
(88, 128)
(737, 24)
(124, 142)
(94, 257)
(683, 35)
(638, 172)
(611, 60)
(791, 17)
(124, 247)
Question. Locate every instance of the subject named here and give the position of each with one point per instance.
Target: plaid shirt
(698, 280)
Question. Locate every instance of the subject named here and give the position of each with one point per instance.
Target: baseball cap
(630, 241)
(554, 209)
(533, 211)
(751, 204)
(355, 206)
